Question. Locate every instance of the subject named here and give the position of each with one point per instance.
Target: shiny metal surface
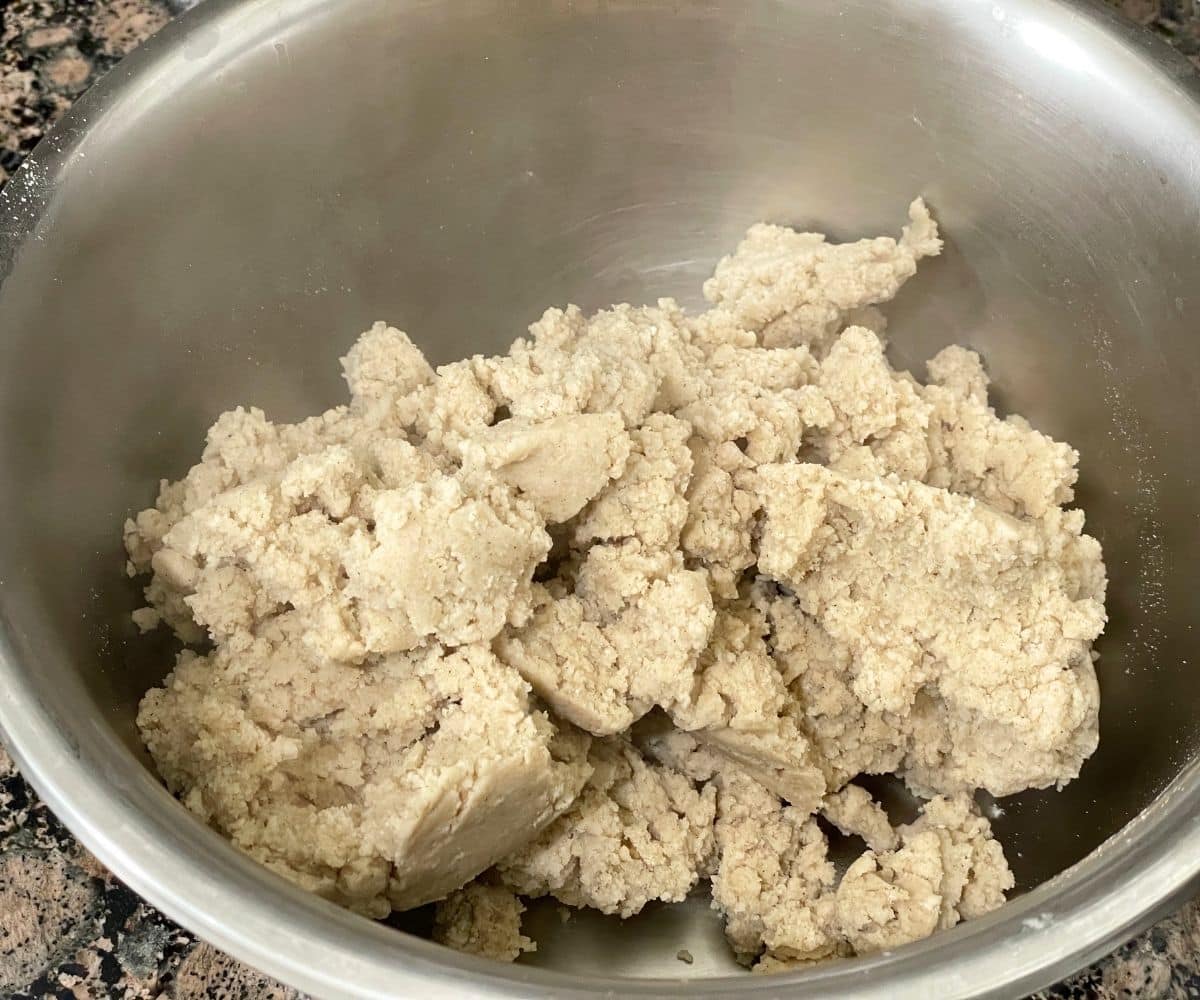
(215, 222)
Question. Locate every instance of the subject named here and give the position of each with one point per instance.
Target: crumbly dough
(639, 831)
(557, 464)
(773, 880)
(855, 813)
(381, 786)
(850, 737)
(985, 618)
(795, 288)
(744, 712)
(482, 919)
(776, 886)
(948, 868)
(626, 609)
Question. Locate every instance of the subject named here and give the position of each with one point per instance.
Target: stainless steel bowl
(215, 221)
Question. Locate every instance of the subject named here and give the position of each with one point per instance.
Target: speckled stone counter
(67, 927)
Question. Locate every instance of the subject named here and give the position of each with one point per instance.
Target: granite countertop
(68, 928)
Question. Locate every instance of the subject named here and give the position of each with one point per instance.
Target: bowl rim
(150, 842)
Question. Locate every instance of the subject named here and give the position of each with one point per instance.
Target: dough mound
(625, 611)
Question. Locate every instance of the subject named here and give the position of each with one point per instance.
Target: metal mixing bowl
(217, 219)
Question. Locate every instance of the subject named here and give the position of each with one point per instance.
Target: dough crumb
(684, 955)
(855, 813)
(795, 288)
(482, 919)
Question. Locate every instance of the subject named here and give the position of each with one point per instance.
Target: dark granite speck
(68, 929)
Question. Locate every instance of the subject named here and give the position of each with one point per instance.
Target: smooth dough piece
(932, 591)
(855, 813)
(773, 881)
(743, 711)
(558, 464)
(949, 868)
(379, 786)
(794, 288)
(638, 832)
(482, 919)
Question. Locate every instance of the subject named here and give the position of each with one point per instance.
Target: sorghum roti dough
(628, 609)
